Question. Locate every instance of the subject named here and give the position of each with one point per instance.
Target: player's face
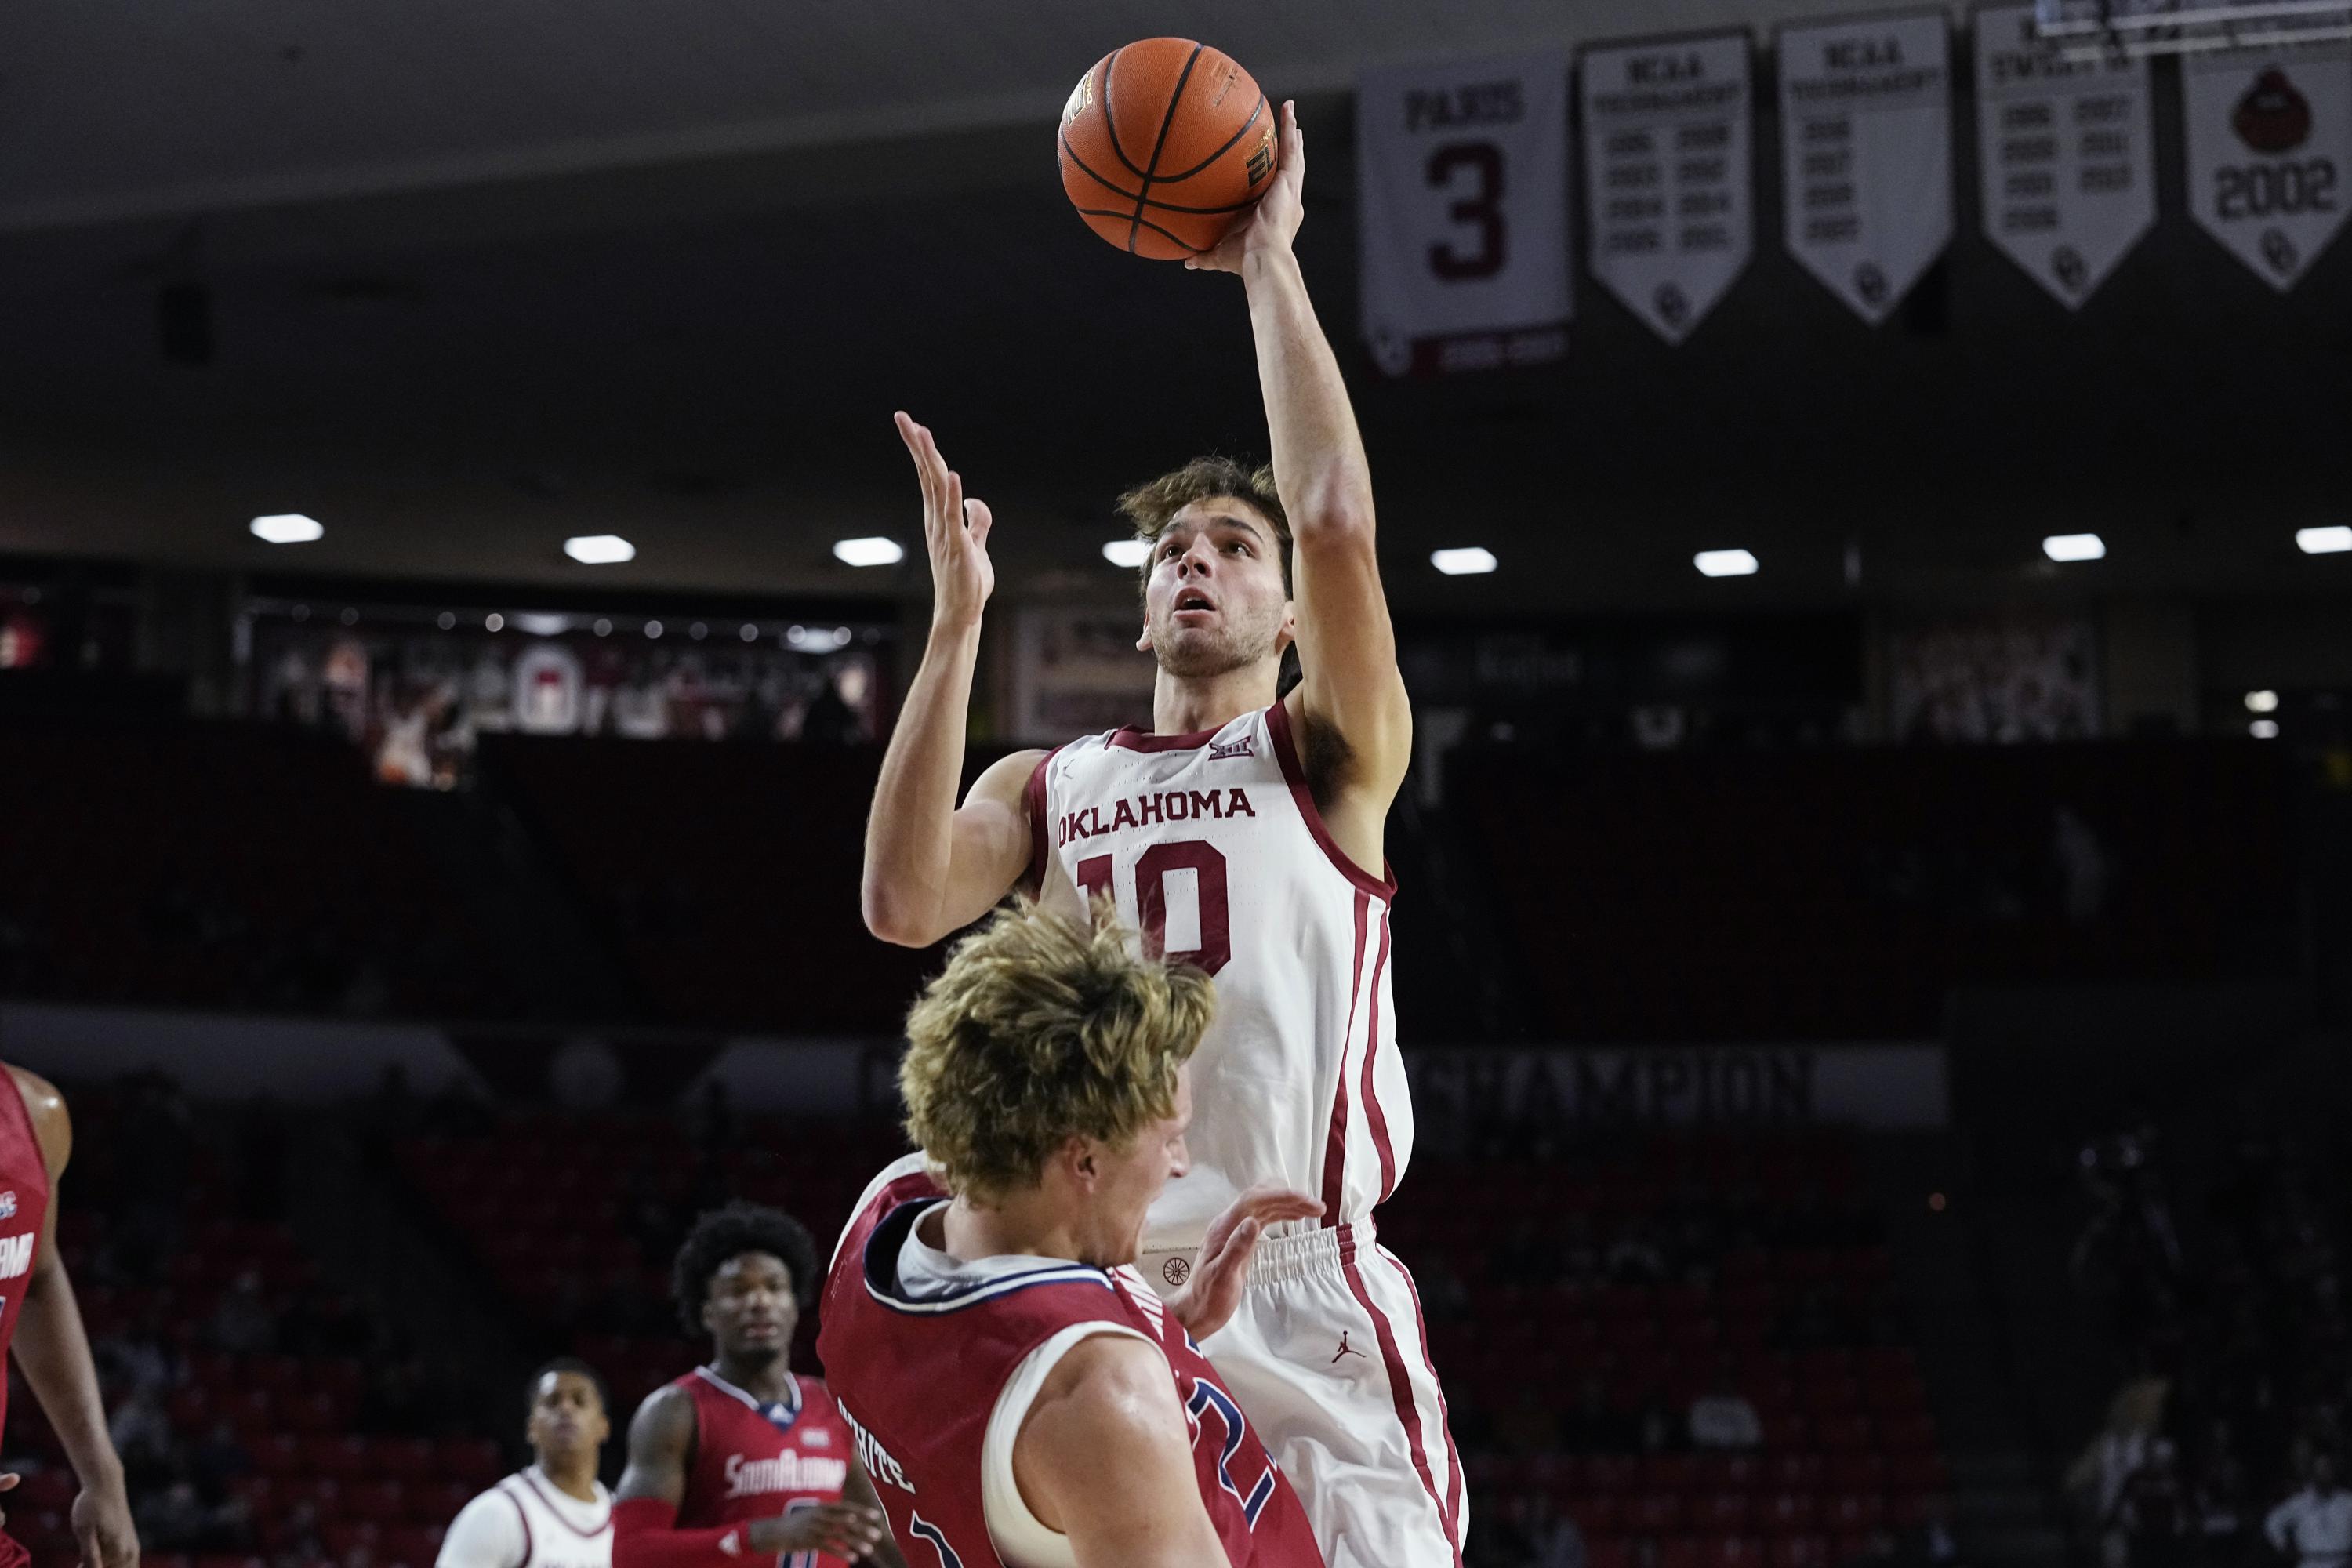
(750, 1312)
(1215, 600)
(1130, 1180)
(567, 1417)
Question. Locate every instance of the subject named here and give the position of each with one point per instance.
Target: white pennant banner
(2067, 158)
(1669, 174)
(2270, 149)
(1462, 169)
(1866, 154)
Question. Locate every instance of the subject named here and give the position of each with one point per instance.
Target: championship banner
(1668, 168)
(2269, 135)
(1866, 154)
(1462, 172)
(2067, 157)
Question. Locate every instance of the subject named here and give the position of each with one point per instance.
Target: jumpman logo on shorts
(1346, 1349)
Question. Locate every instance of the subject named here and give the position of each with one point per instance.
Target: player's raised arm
(931, 867)
(1346, 648)
(1106, 1458)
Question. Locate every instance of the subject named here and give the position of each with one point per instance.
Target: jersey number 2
(1208, 1400)
(1207, 864)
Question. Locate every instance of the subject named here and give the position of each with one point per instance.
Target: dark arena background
(1866, 500)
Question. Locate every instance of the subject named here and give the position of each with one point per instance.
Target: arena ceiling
(479, 278)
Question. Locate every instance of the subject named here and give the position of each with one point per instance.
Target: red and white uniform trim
(1212, 847)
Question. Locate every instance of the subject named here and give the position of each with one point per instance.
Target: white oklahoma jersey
(1212, 849)
(525, 1521)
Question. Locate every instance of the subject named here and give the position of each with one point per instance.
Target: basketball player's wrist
(1268, 258)
(954, 631)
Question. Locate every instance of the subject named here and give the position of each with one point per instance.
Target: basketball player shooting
(1242, 833)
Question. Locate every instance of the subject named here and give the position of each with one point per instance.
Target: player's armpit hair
(1042, 1028)
(731, 1231)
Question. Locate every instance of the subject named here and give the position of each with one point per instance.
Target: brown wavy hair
(1153, 505)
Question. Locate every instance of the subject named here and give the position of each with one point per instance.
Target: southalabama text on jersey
(790, 1471)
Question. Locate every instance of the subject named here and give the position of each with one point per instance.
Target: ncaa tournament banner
(1866, 154)
(1668, 174)
(2269, 135)
(2065, 153)
(1462, 176)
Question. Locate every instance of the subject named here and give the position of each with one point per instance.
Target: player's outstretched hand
(1274, 222)
(101, 1526)
(1214, 1291)
(955, 533)
(848, 1530)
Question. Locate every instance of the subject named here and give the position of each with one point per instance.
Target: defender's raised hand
(1274, 222)
(955, 533)
(1222, 1266)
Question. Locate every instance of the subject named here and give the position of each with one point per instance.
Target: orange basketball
(1164, 145)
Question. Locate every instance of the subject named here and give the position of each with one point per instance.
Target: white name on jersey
(790, 1471)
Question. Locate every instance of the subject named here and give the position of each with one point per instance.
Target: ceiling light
(1469, 561)
(1128, 552)
(2073, 547)
(494, 622)
(1724, 563)
(2264, 728)
(599, 549)
(287, 528)
(867, 552)
(2324, 541)
(2262, 701)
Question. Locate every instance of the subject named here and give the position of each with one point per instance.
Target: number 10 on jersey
(1179, 886)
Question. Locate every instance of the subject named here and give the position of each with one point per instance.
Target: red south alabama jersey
(23, 1210)
(918, 1378)
(755, 1461)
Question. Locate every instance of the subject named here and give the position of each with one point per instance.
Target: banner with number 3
(1462, 170)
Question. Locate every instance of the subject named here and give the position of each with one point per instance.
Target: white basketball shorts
(1328, 1357)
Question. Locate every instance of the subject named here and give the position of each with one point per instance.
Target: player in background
(741, 1458)
(1245, 832)
(1018, 1392)
(556, 1513)
(40, 1322)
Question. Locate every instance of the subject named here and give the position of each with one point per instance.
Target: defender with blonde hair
(1243, 832)
(1018, 1394)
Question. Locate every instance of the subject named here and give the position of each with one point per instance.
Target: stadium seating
(235, 866)
(299, 1418)
(1774, 1271)
(1870, 881)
